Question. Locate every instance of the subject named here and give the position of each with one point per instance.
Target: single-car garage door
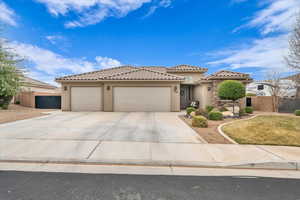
(86, 99)
(142, 99)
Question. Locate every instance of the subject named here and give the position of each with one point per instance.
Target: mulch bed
(17, 112)
(209, 134)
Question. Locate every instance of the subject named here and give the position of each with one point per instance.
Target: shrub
(199, 121)
(249, 110)
(297, 112)
(202, 112)
(242, 112)
(223, 109)
(215, 115)
(18, 102)
(250, 95)
(209, 108)
(189, 110)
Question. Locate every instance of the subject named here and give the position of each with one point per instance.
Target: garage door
(142, 99)
(86, 99)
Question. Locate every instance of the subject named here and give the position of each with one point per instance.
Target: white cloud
(55, 39)
(48, 65)
(274, 22)
(7, 15)
(92, 11)
(106, 62)
(262, 53)
(278, 15)
(161, 3)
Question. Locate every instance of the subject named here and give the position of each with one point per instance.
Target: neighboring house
(261, 88)
(38, 94)
(128, 88)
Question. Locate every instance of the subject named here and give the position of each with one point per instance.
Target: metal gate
(48, 102)
(289, 105)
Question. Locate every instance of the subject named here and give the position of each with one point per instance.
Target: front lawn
(266, 130)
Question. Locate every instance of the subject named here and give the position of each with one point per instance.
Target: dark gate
(48, 102)
(289, 105)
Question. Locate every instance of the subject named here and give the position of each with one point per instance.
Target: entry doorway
(186, 96)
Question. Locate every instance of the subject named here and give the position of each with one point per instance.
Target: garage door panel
(86, 99)
(142, 99)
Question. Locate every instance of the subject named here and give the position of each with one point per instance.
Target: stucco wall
(203, 94)
(195, 77)
(108, 92)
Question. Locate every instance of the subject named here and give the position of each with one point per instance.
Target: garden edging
(225, 135)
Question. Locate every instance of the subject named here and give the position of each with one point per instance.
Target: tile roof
(26, 81)
(96, 75)
(186, 68)
(123, 73)
(143, 74)
(224, 74)
(156, 68)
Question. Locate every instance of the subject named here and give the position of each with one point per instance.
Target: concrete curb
(289, 165)
(225, 135)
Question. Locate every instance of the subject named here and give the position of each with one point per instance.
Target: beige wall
(202, 95)
(195, 76)
(108, 92)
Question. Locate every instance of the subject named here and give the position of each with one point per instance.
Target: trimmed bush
(249, 110)
(189, 110)
(18, 102)
(209, 108)
(297, 112)
(215, 115)
(199, 121)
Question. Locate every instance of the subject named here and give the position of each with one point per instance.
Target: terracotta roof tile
(96, 75)
(123, 73)
(143, 74)
(26, 81)
(186, 68)
(224, 74)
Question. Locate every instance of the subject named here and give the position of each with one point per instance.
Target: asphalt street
(68, 186)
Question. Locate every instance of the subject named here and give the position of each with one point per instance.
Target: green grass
(266, 130)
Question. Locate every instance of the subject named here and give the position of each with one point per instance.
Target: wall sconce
(65, 88)
(176, 89)
(108, 88)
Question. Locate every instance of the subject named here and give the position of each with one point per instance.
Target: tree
(293, 58)
(278, 87)
(10, 75)
(231, 90)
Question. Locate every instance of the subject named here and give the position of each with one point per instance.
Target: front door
(184, 96)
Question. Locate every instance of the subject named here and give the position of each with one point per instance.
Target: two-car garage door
(142, 99)
(124, 99)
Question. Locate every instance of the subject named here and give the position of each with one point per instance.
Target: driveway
(103, 126)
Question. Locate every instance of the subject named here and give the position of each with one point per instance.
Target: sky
(62, 37)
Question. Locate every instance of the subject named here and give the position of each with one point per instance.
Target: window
(189, 78)
(260, 87)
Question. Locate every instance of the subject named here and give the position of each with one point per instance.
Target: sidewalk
(151, 154)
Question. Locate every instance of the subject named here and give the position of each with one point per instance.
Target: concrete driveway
(103, 126)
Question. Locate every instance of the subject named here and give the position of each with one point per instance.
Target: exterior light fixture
(175, 89)
(108, 87)
(65, 88)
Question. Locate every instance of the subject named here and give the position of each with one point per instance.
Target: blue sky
(59, 37)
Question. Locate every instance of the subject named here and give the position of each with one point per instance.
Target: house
(128, 88)
(288, 87)
(38, 94)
